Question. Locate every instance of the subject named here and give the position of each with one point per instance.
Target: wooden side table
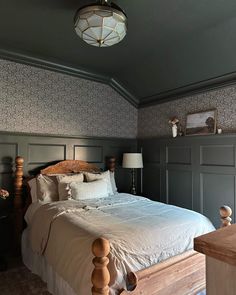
(220, 250)
(3, 263)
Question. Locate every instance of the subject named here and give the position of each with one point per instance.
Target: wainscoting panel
(178, 155)
(91, 154)
(39, 151)
(217, 155)
(216, 189)
(179, 188)
(44, 153)
(152, 154)
(152, 181)
(8, 151)
(194, 172)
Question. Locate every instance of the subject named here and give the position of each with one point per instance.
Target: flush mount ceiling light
(101, 24)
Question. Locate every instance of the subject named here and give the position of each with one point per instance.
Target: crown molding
(189, 90)
(52, 66)
(69, 70)
(118, 87)
(33, 134)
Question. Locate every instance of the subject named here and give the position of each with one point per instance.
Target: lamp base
(133, 188)
(133, 191)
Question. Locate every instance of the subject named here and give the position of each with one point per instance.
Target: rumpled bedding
(141, 233)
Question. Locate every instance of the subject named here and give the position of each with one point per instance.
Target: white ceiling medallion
(101, 24)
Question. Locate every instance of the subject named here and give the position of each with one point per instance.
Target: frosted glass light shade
(132, 160)
(101, 25)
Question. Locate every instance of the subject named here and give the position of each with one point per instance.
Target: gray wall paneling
(39, 150)
(197, 172)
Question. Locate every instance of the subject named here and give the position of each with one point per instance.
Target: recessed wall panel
(152, 182)
(44, 153)
(8, 152)
(91, 154)
(178, 155)
(217, 155)
(216, 190)
(179, 188)
(151, 153)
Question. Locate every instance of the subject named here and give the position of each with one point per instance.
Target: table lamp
(132, 161)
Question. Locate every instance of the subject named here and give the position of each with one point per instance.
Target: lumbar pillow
(104, 175)
(89, 190)
(63, 184)
(47, 188)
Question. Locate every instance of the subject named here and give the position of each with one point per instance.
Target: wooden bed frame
(180, 275)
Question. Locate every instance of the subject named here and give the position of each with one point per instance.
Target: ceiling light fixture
(101, 24)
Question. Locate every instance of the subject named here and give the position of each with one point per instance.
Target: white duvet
(141, 233)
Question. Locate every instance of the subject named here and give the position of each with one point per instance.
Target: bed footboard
(181, 275)
(100, 275)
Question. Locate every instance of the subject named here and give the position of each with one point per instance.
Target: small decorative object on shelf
(4, 194)
(219, 131)
(174, 125)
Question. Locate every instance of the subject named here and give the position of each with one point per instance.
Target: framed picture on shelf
(201, 123)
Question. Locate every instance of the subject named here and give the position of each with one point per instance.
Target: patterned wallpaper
(41, 101)
(153, 120)
(35, 100)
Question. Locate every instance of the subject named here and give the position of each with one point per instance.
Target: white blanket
(141, 233)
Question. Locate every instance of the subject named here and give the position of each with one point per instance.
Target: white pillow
(33, 189)
(89, 190)
(63, 184)
(47, 188)
(104, 175)
(113, 182)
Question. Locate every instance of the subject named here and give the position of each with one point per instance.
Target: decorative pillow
(113, 182)
(47, 188)
(104, 175)
(33, 189)
(63, 184)
(89, 190)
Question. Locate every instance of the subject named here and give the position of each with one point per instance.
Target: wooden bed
(180, 275)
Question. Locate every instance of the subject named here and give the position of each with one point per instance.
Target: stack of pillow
(80, 186)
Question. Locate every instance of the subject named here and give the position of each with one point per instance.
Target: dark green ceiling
(173, 47)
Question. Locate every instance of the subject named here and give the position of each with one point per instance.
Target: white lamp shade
(132, 160)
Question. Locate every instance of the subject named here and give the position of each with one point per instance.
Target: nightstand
(219, 248)
(3, 225)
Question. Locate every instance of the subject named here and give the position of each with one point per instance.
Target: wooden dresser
(220, 250)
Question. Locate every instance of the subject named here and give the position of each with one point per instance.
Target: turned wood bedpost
(111, 163)
(225, 213)
(18, 184)
(100, 275)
